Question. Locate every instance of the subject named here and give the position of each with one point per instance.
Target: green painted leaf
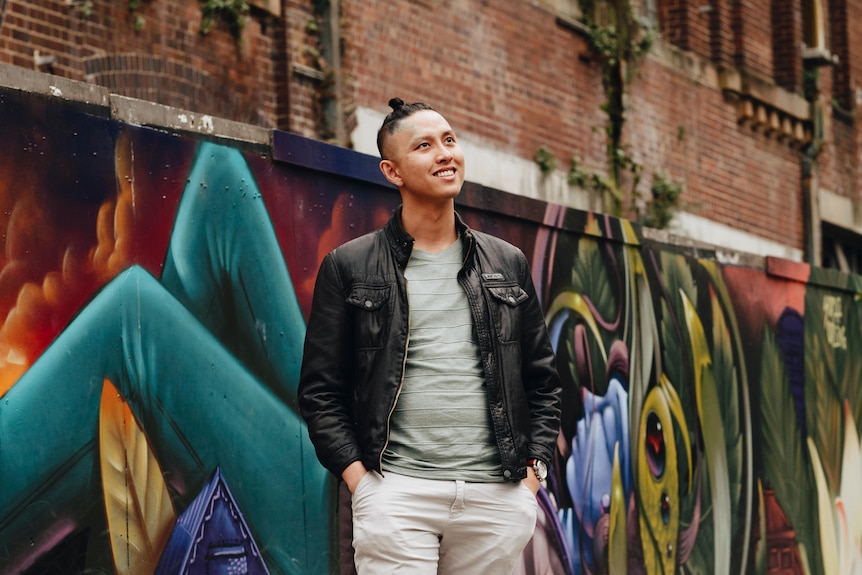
(590, 278)
(713, 438)
(852, 371)
(822, 403)
(784, 467)
(675, 349)
(727, 391)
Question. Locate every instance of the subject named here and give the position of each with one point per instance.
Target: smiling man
(428, 381)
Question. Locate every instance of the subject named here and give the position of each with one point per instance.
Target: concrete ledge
(99, 101)
(748, 84)
(839, 211)
(18, 78)
(150, 114)
(271, 6)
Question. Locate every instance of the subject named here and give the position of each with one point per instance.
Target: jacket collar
(402, 243)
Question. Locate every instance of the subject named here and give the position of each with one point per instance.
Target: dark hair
(400, 110)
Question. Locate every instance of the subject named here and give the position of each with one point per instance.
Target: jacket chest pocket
(372, 314)
(504, 306)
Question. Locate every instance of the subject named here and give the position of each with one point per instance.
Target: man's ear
(390, 172)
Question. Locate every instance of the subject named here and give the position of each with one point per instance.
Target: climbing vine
(661, 208)
(618, 43)
(324, 49)
(234, 13)
(138, 21)
(231, 12)
(545, 159)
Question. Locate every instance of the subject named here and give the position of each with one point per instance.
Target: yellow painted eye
(658, 485)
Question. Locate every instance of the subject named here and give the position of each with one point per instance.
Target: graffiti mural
(153, 296)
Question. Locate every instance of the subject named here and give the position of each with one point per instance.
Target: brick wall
(167, 60)
(733, 174)
(787, 37)
(513, 77)
(754, 36)
(511, 73)
(505, 71)
(722, 32)
(697, 27)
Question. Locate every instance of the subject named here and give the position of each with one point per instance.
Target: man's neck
(432, 229)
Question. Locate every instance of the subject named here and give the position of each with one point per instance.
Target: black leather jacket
(356, 345)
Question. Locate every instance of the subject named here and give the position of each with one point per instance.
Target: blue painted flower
(589, 469)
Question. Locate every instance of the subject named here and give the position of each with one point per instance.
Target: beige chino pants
(413, 526)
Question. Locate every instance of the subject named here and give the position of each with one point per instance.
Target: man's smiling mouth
(445, 173)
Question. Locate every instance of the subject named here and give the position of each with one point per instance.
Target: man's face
(424, 158)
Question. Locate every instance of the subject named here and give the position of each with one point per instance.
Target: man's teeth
(445, 173)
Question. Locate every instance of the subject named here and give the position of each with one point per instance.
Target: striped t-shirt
(441, 427)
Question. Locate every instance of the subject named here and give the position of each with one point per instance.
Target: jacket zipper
(400, 386)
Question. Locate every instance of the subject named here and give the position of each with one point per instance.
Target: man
(428, 381)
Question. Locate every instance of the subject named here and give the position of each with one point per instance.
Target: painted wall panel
(153, 296)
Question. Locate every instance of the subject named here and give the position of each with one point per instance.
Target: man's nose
(444, 155)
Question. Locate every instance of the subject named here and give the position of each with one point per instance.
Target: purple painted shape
(294, 149)
(211, 537)
(790, 338)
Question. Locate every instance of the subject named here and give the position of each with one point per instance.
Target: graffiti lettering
(833, 322)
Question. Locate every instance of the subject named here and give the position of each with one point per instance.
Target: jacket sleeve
(325, 384)
(539, 374)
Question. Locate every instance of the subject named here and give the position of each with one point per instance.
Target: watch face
(541, 469)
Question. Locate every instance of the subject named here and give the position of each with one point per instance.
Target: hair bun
(396, 104)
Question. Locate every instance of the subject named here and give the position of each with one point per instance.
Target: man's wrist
(352, 474)
(540, 468)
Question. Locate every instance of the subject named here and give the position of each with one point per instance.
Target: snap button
(511, 299)
(368, 303)
(507, 474)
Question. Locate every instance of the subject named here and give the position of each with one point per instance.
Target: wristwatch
(540, 467)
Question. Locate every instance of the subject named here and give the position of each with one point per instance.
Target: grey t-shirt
(441, 427)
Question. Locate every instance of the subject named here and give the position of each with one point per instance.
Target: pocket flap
(369, 298)
(512, 295)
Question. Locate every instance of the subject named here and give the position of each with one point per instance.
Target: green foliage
(545, 159)
(232, 12)
(85, 8)
(609, 188)
(614, 45)
(661, 208)
(138, 21)
(618, 43)
(576, 176)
